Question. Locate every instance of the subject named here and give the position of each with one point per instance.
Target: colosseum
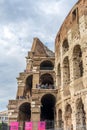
(53, 86)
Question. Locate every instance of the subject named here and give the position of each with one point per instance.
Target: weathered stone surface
(72, 74)
(27, 92)
(70, 81)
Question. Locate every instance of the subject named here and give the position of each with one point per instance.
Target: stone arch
(68, 116)
(46, 81)
(60, 121)
(47, 114)
(24, 112)
(65, 46)
(59, 75)
(46, 65)
(42, 95)
(28, 86)
(80, 115)
(66, 71)
(77, 62)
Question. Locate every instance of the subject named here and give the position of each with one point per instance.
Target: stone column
(63, 111)
(35, 79)
(71, 88)
(84, 59)
(85, 108)
(35, 116)
(73, 114)
(62, 76)
(57, 117)
(63, 118)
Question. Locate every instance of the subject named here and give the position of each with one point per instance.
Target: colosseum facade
(71, 69)
(56, 92)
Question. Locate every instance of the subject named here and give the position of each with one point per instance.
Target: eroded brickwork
(36, 94)
(64, 94)
(71, 68)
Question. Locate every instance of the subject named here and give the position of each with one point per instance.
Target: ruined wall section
(71, 61)
(74, 31)
(69, 25)
(38, 54)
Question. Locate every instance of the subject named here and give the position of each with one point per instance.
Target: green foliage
(0, 125)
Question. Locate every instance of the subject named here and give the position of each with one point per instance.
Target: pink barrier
(14, 125)
(28, 126)
(41, 125)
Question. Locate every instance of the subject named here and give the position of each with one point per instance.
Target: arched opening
(46, 81)
(65, 46)
(48, 110)
(46, 65)
(80, 115)
(59, 75)
(24, 112)
(68, 118)
(77, 62)
(60, 121)
(66, 72)
(28, 87)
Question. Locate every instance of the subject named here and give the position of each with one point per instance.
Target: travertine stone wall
(73, 89)
(70, 80)
(27, 105)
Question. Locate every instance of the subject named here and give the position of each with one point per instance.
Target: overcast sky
(20, 21)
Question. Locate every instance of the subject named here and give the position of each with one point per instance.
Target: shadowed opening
(80, 114)
(46, 65)
(28, 87)
(77, 62)
(24, 112)
(65, 46)
(46, 79)
(48, 110)
(48, 107)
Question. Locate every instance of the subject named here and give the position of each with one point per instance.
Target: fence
(50, 125)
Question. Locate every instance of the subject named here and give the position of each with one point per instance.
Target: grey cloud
(20, 21)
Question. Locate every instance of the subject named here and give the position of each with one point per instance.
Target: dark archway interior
(66, 71)
(46, 65)
(65, 46)
(48, 107)
(29, 84)
(60, 121)
(46, 79)
(78, 63)
(68, 116)
(24, 112)
(81, 114)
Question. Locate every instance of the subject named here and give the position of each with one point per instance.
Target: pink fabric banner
(28, 125)
(14, 125)
(41, 125)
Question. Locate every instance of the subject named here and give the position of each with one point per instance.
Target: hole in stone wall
(47, 81)
(28, 87)
(65, 46)
(80, 115)
(24, 112)
(66, 71)
(46, 65)
(77, 62)
(60, 121)
(48, 110)
(75, 15)
(68, 116)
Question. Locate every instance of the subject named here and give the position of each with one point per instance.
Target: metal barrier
(4, 126)
(50, 125)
